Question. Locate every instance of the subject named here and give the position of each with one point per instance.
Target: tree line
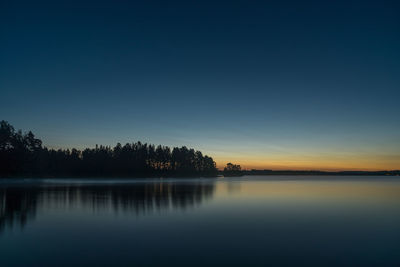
(23, 155)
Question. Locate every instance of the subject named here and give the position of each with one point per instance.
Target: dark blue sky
(284, 84)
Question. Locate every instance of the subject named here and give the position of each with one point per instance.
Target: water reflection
(246, 221)
(17, 206)
(20, 203)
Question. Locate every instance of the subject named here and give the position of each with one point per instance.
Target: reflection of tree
(18, 204)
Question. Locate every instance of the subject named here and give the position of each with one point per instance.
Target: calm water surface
(252, 220)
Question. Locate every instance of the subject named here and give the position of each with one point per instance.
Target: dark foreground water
(256, 220)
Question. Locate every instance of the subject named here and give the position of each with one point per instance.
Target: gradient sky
(281, 85)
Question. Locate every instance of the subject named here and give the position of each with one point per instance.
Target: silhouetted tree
(23, 155)
(232, 170)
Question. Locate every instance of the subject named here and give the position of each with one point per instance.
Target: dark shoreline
(327, 173)
(220, 175)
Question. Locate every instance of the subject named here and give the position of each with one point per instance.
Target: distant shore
(220, 174)
(330, 173)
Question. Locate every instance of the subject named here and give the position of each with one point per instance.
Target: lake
(250, 220)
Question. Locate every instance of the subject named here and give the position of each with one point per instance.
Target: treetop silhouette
(21, 154)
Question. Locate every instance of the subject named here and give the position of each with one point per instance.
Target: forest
(23, 155)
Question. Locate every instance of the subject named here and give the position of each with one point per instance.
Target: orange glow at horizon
(360, 163)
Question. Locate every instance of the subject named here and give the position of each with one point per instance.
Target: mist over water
(251, 220)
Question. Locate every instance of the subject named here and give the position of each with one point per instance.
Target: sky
(265, 84)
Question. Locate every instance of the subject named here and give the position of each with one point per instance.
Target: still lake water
(251, 220)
